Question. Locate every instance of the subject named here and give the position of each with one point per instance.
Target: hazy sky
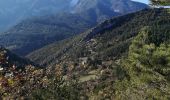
(143, 1)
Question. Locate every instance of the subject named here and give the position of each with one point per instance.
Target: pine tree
(160, 2)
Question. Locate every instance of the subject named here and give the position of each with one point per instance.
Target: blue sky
(143, 1)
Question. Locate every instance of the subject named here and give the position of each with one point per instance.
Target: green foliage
(111, 42)
(58, 89)
(160, 2)
(147, 66)
(144, 74)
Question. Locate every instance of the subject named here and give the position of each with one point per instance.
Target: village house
(83, 60)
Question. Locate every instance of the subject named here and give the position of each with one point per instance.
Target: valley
(35, 32)
(92, 50)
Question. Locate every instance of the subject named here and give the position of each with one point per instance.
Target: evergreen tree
(160, 2)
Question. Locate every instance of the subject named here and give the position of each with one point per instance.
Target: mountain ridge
(131, 54)
(118, 36)
(35, 33)
(125, 57)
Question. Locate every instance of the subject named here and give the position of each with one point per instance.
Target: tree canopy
(160, 2)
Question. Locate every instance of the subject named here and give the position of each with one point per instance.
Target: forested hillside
(94, 50)
(21, 79)
(36, 32)
(147, 67)
(127, 60)
(111, 38)
(122, 58)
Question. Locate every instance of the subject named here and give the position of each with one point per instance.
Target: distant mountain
(10, 15)
(13, 11)
(103, 9)
(34, 33)
(108, 40)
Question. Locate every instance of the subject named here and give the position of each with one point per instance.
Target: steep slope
(147, 66)
(82, 73)
(35, 33)
(117, 60)
(108, 40)
(104, 9)
(19, 79)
